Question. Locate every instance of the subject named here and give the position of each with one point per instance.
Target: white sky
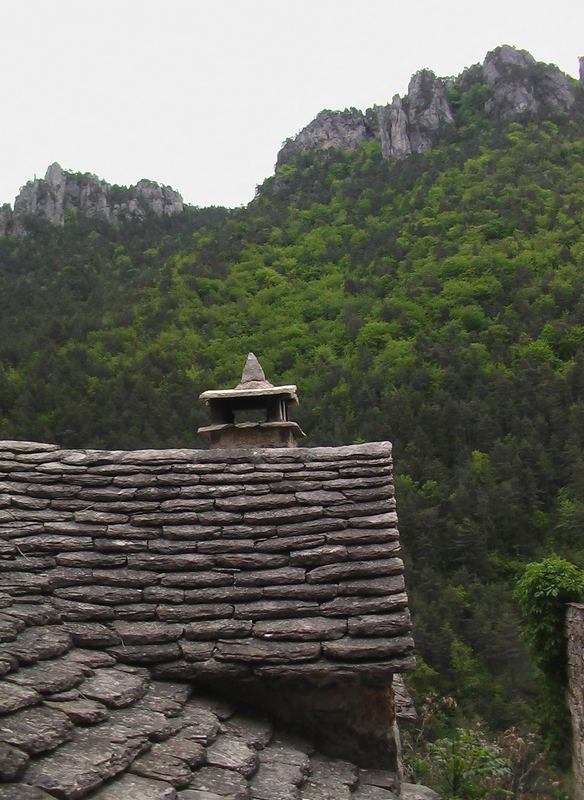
(200, 94)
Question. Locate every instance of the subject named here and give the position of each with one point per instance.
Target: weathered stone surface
(165, 698)
(413, 791)
(276, 781)
(223, 782)
(108, 595)
(13, 762)
(132, 633)
(196, 651)
(229, 752)
(24, 791)
(188, 613)
(114, 688)
(367, 649)
(275, 609)
(355, 569)
(372, 586)
(365, 792)
(146, 653)
(78, 767)
(253, 651)
(220, 629)
(134, 787)
(36, 730)
(47, 676)
(81, 712)
(223, 594)
(163, 765)
(380, 777)
(356, 606)
(178, 562)
(329, 554)
(311, 629)
(380, 624)
(92, 634)
(37, 643)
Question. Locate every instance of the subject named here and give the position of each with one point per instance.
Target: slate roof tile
(190, 565)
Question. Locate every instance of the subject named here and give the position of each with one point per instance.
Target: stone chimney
(252, 396)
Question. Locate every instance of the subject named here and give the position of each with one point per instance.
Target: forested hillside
(436, 301)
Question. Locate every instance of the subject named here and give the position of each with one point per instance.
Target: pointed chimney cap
(253, 376)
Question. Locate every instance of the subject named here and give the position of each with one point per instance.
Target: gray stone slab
(165, 697)
(40, 642)
(197, 651)
(146, 653)
(107, 595)
(301, 630)
(355, 569)
(49, 676)
(81, 711)
(192, 580)
(329, 554)
(175, 563)
(36, 730)
(276, 781)
(413, 791)
(301, 591)
(223, 594)
(380, 624)
(251, 561)
(287, 544)
(24, 791)
(329, 789)
(349, 648)
(377, 550)
(92, 634)
(221, 781)
(365, 587)
(137, 633)
(362, 536)
(114, 687)
(218, 629)
(79, 767)
(275, 609)
(13, 697)
(134, 787)
(354, 606)
(374, 793)
(379, 777)
(260, 652)
(188, 613)
(255, 732)
(13, 762)
(229, 752)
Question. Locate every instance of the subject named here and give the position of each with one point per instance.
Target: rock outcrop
(60, 191)
(516, 86)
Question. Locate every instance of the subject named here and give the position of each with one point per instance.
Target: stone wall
(575, 640)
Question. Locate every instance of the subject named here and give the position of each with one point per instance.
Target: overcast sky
(200, 94)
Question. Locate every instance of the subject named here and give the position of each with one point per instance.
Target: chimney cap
(253, 384)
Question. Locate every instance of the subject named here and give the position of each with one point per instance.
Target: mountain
(62, 192)
(509, 85)
(435, 300)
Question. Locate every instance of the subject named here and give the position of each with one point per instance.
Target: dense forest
(437, 302)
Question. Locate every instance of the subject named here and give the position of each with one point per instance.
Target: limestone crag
(516, 86)
(522, 86)
(60, 191)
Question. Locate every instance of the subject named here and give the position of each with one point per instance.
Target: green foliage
(543, 591)
(437, 302)
(464, 766)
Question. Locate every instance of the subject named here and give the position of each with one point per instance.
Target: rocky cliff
(515, 85)
(60, 191)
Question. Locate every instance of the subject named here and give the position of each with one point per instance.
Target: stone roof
(131, 582)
